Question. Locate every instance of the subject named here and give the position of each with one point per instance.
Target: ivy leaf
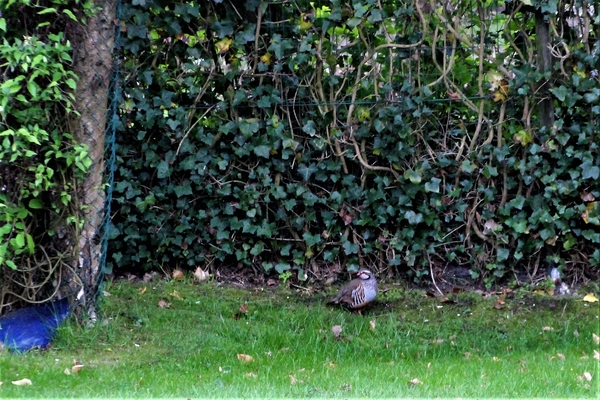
(282, 267)
(306, 171)
(590, 171)
(413, 176)
(350, 248)
(258, 248)
(248, 127)
(311, 239)
(413, 218)
(560, 92)
(433, 185)
(262, 150)
(309, 128)
(375, 16)
(162, 169)
(489, 171)
(468, 167)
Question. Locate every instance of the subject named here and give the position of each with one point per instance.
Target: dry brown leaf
(142, 290)
(597, 355)
(446, 300)
(294, 380)
(76, 368)
(245, 358)
(178, 275)
(590, 298)
(22, 382)
(596, 338)
(499, 304)
(147, 277)
(560, 355)
(585, 196)
(415, 381)
(271, 282)
(164, 304)
(244, 308)
(176, 295)
(547, 328)
(201, 275)
(372, 323)
(336, 329)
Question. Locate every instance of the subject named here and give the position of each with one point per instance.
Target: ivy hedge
(406, 136)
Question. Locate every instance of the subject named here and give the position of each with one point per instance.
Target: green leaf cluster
(393, 134)
(40, 162)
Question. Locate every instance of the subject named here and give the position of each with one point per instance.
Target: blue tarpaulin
(32, 326)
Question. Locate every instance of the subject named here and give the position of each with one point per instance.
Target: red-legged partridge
(358, 292)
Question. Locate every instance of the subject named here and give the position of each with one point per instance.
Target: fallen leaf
(245, 358)
(271, 282)
(560, 355)
(22, 382)
(76, 368)
(586, 375)
(415, 381)
(446, 300)
(499, 304)
(177, 275)
(453, 95)
(467, 355)
(585, 196)
(590, 298)
(164, 304)
(547, 328)
(330, 364)
(201, 275)
(176, 295)
(372, 323)
(147, 277)
(251, 375)
(67, 371)
(597, 355)
(244, 308)
(336, 329)
(293, 379)
(106, 294)
(142, 290)
(596, 338)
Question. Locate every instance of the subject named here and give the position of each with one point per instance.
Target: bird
(359, 292)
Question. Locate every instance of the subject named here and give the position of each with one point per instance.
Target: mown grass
(536, 346)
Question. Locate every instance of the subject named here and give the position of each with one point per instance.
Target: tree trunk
(544, 61)
(93, 45)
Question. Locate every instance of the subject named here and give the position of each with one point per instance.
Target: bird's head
(364, 274)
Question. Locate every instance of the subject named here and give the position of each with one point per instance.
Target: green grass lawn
(407, 345)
